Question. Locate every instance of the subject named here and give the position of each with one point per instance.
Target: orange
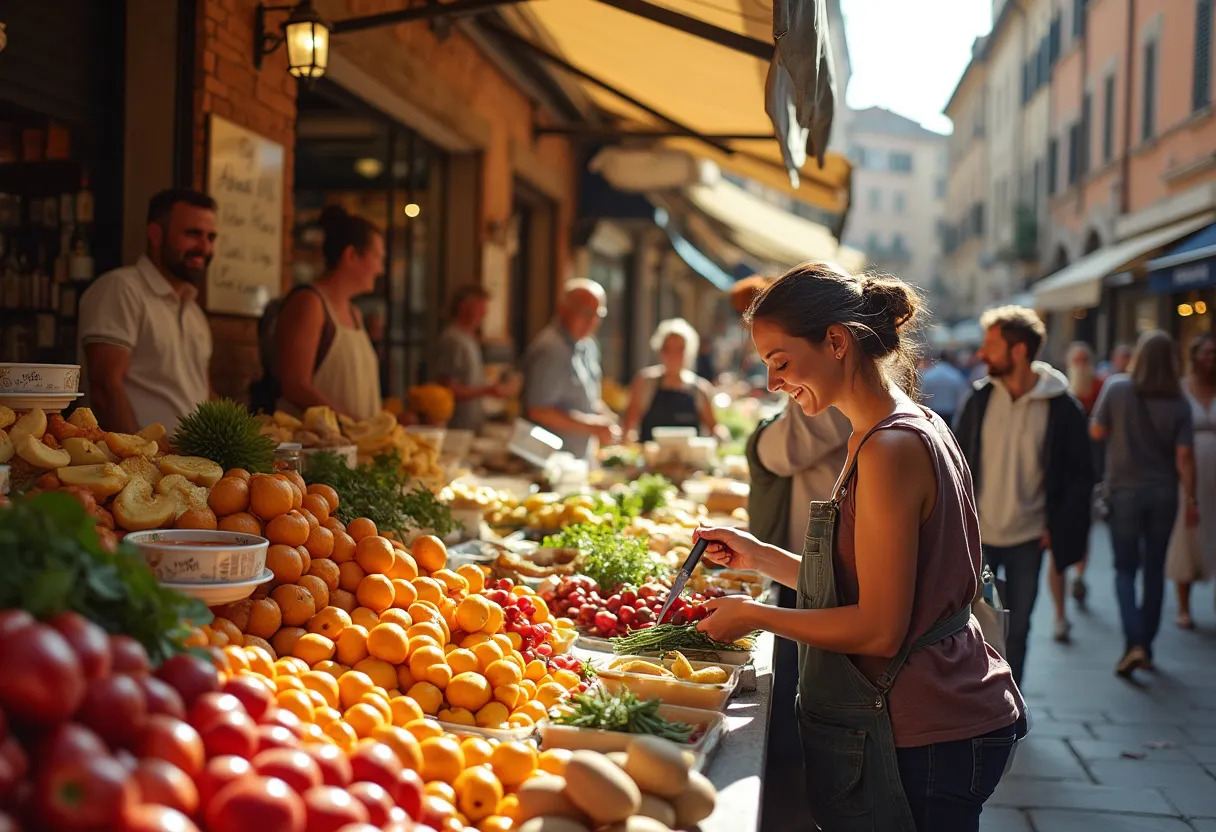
(364, 718)
(429, 590)
(364, 617)
(404, 744)
(388, 642)
(283, 682)
(296, 603)
(478, 793)
(352, 645)
(453, 583)
(404, 709)
(405, 679)
(349, 575)
(305, 558)
(352, 686)
(550, 693)
(496, 619)
(320, 542)
(504, 643)
(535, 670)
(317, 589)
(439, 675)
(423, 612)
(260, 661)
(497, 823)
(290, 666)
(424, 729)
(360, 528)
(396, 616)
(404, 593)
(510, 695)
(342, 734)
(270, 496)
(513, 761)
(331, 668)
(237, 659)
(403, 566)
(442, 759)
(463, 661)
(316, 505)
(428, 697)
(343, 600)
(196, 518)
(476, 751)
(285, 562)
(241, 522)
(487, 653)
(334, 524)
(313, 648)
(379, 700)
(295, 479)
(290, 528)
(424, 657)
(375, 592)
(508, 807)
(284, 640)
(257, 641)
(309, 517)
(374, 554)
(429, 553)
(474, 576)
(344, 546)
(326, 715)
(472, 613)
(223, 625)
(298, 703)
(553, 760)
(330, 495)
(237, 612)
(324, 684)
(238, 473)
(540, 613)
(473, 638)
(534, 709)
(493, 715)
(380, 671)
(468, 690)
(326, 570)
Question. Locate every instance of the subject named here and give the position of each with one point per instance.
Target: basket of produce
(673, 679)
(694, 644)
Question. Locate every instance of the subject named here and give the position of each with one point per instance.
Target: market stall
(232, 629)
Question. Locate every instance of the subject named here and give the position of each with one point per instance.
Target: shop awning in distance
(758, 110)
(1188, 264)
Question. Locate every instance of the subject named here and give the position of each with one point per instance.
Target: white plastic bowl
(39, 378)
(199, 556)
(216, 595)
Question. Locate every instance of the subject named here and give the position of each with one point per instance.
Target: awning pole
(695, 26)
(427, 12)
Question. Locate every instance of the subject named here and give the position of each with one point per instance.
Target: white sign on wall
(245, 177)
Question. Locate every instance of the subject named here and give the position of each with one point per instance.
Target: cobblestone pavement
(1105, 754)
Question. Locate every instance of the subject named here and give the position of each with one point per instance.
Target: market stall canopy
(1079, 286)
(1186, 265)
(761, 110)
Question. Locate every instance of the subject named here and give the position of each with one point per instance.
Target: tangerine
(474, 576)
(270, 496)
(442, 759)
(463, 661)
(360, 528)
(316, 505)
(242, 523)
(375, 592)
(381, 672)
(320, 542)
(404, 744)
(364, 718)
(429, 553)
(326, 491)
(313, 648)
(510, 695)
(405, 710)
(229, 496)
(265, 618)
(343, 600)
(326, 570)
(223, 625)
(364, 617)
(439, 675)
(342, 734)
(429, 590)
(374, 554)
(404, 593)
(296, 603)
(513, 761)
(349, 575)
(472, 613)
(261, 660)
(378, 699)
(297, 702)
(476, 751)
(317, 589)
(290, 528)
(428, 697)
(284, 640)
(344, 546)
(478, 793)
(554, 760)
(487, 653)
(322, 683)
(388, 642)
(352, 645)
(454, 584)
(351, 687)
(403, 566)
(331, 668)
(468, 690)
(238, 473)
(396, 616)
(405, 679)
(196, 518)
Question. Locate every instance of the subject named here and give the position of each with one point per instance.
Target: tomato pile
(627, 609)
(518, 611)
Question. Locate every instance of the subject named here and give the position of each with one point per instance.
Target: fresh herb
(663, 637)
(53, 561)
(647, 493)
(381, 492)
(620, 711)
(224, 432)
(608, 557)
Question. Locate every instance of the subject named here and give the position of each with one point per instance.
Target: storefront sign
(245, 176)
(1196, 275)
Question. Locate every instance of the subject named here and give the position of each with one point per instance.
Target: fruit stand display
(362, 678)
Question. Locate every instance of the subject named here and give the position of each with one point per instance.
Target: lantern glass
(307, 48)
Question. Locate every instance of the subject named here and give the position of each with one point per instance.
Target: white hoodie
(1012, 499)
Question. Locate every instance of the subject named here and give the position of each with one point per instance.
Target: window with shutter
(1084, 137)
(1045, 60)
(1108, 118)
(1053, 47)
(1201, 90)
(1053, 166)
(1148, 110)
(1074, 153)
(1078, 18)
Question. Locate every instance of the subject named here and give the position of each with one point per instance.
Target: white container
(457, 443)
(39, 378)
(215, 595)
(672, 691)
(49, 402)
(199, 556)
(711, 723)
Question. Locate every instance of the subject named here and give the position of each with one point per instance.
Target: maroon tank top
(959, 687)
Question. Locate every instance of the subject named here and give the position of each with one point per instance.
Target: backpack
(264, 393)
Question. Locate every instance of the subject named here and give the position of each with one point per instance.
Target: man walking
(1026, 440)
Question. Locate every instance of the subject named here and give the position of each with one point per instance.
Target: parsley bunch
(647, 493)
(381, 492)
(608, 557)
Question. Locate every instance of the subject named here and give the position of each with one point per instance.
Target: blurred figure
(1149, 436)
(751, 368)
(1192, 552)
(458, 359)
(563, 375)
(1084, 381)
(942, 387)
(705, 366)
(669, 394)
(1025, 439)
(1120, 357)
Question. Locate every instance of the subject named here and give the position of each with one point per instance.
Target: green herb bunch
(663, 637)
(53, 562)
(647, 493)
(608, 557)
(224, 432)
(381, 492)
(620, 711)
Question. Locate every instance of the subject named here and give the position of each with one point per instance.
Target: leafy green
(224, 432)
(381, 492)
(54, 561)
(608, 557)
(647, 493)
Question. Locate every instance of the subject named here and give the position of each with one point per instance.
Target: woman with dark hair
(1147, 426)
(908, 718)
(1192, 552)
(323, 355)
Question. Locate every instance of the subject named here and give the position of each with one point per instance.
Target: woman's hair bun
(331, 216)
(889, 300)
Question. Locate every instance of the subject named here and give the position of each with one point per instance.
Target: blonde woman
(670, 394)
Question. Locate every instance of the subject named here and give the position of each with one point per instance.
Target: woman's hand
(730, 617)
(731, 548)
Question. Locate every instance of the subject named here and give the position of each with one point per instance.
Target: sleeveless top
(959, 687)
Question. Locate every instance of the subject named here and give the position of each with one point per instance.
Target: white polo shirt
(136, 308)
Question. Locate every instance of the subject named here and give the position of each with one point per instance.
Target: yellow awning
(708, 87)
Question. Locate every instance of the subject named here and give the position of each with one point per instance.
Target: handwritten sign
(245, 176)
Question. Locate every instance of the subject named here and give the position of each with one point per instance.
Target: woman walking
(1147, 426)
(907, 717)
(1192, 552)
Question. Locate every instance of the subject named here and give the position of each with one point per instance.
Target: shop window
(1201, 90)
(1148, 112)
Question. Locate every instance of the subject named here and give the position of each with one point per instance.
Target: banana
(142, 467)
(34, 451)
(84, 451)
(198, 470)
(31, 424)
(709, 676)
(136, 508)
(126, 444)
(104, 479)
(83, 418)
(153, 432)
(7, 416)
(6, 448)
(681, 667)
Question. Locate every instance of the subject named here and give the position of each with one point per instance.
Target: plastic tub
(39, 378)
(196, 556)
(670, 690)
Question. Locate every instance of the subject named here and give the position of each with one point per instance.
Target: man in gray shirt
(458, 362)
(562, 373)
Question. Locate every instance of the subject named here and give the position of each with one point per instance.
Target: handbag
(990, 612)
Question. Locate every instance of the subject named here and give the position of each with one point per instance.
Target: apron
(852, 774)
(670, 409)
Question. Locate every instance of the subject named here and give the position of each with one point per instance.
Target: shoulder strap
(328, 328)
(842, 487)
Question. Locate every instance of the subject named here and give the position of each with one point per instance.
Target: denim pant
(1141, 521)
(1021, 565)
(947, 783)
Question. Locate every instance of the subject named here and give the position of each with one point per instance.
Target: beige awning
(708, 87)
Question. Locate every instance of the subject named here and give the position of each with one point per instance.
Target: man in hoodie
(1025, 438)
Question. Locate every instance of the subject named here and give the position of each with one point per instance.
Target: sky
(907, 55)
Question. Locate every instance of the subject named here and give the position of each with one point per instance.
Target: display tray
(500, 734)
(597, 739)
(736, 658)
(669, 690)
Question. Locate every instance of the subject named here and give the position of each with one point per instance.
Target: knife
(677, 586)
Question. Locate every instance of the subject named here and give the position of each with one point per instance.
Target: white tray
(670, 690)
(596, 739)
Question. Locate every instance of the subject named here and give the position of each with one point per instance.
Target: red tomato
(252, 693)
(255, 804)
(335, 767)
(15, 765)
(86, 794)
(174, 741)
(67, 742)
(114, 707)
(281, 716)
(128, 656)
(375, 799)
(165, 784)
(292, 766)
(329, 809)
(89, 642)
(219, 772)
(7, 824)
(40, 676)
(210, 706)
(408, 792)
(359, 827)
(13, 620)
(375, 762)
(149, 818)
(190, 676)
(233, 733)
(161, 698)
(275, 736)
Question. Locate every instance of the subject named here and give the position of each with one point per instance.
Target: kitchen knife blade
(677, 586)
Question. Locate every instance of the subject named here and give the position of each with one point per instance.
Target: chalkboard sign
(245, 176)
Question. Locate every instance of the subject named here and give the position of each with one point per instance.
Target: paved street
(1105, 754)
